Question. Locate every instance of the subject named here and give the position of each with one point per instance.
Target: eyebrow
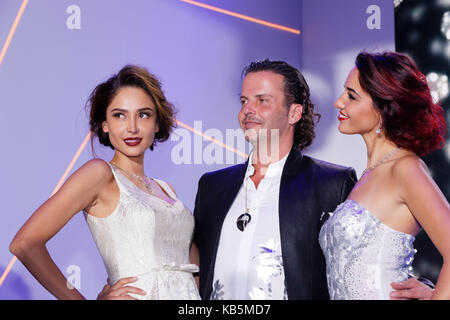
(123, 110)
(259, 95)
(264, 95)
(352, 90)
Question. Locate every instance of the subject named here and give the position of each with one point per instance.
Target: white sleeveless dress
(148, 238)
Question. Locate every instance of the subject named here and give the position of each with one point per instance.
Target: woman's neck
(129, 164)
(377, 148)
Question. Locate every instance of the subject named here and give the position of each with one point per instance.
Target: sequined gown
(148, 238)
(363, 255)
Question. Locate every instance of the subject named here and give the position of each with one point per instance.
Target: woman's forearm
(442, 290)
(37, 260)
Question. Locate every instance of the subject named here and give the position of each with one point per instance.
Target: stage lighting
(397, 3)
(447, 50)
(447, 151)
(445, 25)
(437, 46)
(442, 3)
(418, 13)
(438, 84)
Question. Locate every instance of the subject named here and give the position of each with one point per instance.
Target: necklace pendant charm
(243, 221)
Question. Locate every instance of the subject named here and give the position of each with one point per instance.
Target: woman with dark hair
(368, 240)
(143, 232)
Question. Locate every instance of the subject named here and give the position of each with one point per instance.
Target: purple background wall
(49, 70)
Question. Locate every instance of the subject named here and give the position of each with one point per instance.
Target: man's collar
(289, 164)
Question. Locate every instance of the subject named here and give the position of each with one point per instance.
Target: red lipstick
(132, 141)
(342, 116)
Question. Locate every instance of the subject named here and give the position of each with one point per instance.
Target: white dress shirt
(249, 263)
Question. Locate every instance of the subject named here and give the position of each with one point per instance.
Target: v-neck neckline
(148, 193)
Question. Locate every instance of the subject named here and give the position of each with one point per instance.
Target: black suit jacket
(308, 188)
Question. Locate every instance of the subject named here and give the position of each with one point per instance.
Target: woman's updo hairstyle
(401, 95)
(130, 76)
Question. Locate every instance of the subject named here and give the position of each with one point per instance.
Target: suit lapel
(227, 191)
(293, 211)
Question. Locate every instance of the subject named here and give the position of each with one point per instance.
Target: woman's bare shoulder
(95, 171)
(408, 165)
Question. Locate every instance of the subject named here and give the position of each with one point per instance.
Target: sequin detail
(363, 255)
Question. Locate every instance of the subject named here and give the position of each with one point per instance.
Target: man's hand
(120, 291)
(410, 289)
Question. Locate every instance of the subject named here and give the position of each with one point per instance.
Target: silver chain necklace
(390, 154)
(146, 181)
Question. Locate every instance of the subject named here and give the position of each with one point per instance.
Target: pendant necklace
(146, 181)
(244, 219)
(390, 154)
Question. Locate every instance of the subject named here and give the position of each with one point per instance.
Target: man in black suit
(261, 243)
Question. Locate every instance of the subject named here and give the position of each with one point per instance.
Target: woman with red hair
(368, 240)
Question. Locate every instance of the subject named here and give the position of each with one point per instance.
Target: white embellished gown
(148, 238)
(363, 255)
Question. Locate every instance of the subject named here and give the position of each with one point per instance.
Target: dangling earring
(378, 131)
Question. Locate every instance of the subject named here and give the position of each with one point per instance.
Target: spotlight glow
(418, 13)
(447, 150)
(447, 49)
(397, 3)
(444, 3)
(438, 84)
(437, 46)
(445, 25)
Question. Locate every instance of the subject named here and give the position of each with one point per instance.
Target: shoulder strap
(119, 177)
(166, 188)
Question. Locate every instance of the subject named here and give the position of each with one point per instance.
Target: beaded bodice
(363, 255)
